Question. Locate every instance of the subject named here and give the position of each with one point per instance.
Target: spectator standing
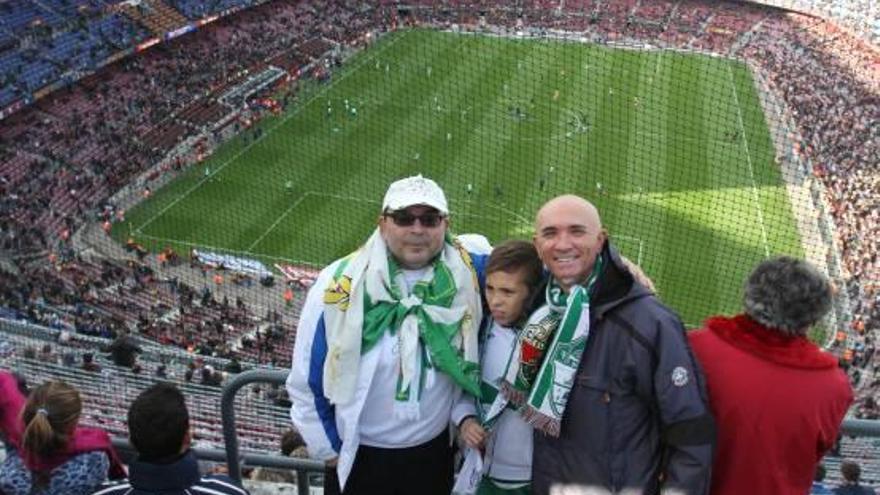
(386, 342)
(493, 429)
(626, 408)
(777, 398)
(47, 452)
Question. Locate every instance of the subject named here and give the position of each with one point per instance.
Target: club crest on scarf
(535, 339)
(550, 349)
(339, 292)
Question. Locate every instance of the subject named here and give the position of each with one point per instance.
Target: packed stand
(107, 299)
(63, 157)
(860, 16)
(829, 81)
(109, 378)
(54, 41)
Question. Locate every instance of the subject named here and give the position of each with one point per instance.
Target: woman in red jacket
(778, 400)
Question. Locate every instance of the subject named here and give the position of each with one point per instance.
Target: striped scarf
(550, 347)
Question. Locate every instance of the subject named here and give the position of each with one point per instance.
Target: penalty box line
(639, 257)
(269, 132)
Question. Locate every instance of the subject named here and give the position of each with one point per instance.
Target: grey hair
(787, 294)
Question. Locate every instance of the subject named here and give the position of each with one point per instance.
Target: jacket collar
(176, 475)
(750, 336)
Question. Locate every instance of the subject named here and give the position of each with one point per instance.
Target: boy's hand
(472, 433)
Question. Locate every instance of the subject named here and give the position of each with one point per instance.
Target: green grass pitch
(672, 147)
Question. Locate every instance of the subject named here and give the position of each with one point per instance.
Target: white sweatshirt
(509, 446)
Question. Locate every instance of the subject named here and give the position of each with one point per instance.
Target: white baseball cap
(412, 191)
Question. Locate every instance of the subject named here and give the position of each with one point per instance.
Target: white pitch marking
(745, 143)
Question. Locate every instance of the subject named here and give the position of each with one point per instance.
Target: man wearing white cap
(386, 342)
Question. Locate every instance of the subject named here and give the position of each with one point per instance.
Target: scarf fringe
(540, 421)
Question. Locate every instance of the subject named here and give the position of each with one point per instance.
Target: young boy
(513, 274)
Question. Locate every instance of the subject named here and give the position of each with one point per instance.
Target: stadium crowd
(832, 89)
(860, 16)
(62, 158)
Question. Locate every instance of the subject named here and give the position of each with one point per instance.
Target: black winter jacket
(637, 417)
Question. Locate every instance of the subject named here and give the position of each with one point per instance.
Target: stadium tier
(179, 170)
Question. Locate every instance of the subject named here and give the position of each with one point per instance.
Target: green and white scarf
(437, 321)
(489, 408)
(550, 347)
(492, 402)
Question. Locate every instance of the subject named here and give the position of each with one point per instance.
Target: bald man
(618, 400)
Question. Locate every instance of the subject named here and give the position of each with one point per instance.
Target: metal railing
(234, 459)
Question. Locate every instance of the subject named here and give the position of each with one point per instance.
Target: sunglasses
(403, 218)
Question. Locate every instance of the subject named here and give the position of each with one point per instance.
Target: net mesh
(676, 119)
(709, 135)
(191, 191)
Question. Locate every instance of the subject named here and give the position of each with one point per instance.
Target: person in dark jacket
(851, 473)
(123, 350)
(632, 411)
(158, 424)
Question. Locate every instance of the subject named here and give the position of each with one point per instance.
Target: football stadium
(176, 173)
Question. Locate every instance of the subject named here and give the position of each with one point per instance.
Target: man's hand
(331, 463)
(472, 433)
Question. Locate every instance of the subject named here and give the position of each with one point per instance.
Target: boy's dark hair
(158, 422)
(290, 441)
(850, 471)
(514, 255)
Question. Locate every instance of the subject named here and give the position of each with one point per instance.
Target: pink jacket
(84, 439)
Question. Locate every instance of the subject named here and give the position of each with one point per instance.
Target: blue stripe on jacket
(480, 261)
(326, 410)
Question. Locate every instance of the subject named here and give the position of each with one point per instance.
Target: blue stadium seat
(196, 9)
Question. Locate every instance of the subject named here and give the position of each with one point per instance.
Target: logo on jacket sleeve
(679, 376)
